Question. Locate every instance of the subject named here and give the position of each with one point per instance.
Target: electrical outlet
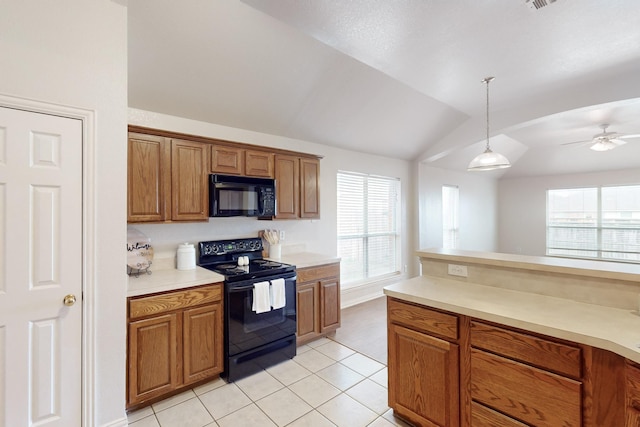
(281, 234)
(457, 270)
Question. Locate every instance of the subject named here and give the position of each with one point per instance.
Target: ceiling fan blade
(577, 142)
(618, 142)
(635, 135)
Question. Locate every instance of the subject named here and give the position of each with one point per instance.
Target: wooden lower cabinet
(317, 301)
(153, 357)
(447, 369)
(175, 339)
(424, 385)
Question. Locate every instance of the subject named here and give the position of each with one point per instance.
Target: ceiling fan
(605, 141)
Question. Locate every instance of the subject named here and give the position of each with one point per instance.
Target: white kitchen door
(40, 266)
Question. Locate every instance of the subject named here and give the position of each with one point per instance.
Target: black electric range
(254, 339)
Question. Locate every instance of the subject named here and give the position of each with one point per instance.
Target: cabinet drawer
(423, 319)
(481, 416)
(315, 273)
(633, 386)
(523, 392)
(561, 358)
(158, 304)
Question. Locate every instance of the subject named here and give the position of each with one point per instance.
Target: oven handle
(241, 288)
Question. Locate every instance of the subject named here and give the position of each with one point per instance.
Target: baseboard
(367, 291)
(122, 422)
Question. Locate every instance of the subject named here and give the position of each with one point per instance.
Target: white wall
(74, 53)
(478, 201)
(523, 201)
(313, 235)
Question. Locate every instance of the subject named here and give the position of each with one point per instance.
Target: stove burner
(265, 263)
(227, 267)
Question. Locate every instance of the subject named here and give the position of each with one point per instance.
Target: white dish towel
(278, 298)
(261, 297)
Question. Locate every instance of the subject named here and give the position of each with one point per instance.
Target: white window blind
(368, 230)
(450, 221)
(599, 222)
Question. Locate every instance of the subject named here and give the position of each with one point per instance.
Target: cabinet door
(423, 378)
(329, 304)
(287, 186)
(153, 357)
(309, 188)
(227, 160)
(148, 178)
(189, 173)
(308, 308)
(259, 163)
(203, 343)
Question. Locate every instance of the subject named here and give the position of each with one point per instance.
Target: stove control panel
(223, 247)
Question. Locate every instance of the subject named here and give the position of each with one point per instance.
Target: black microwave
(241, 196)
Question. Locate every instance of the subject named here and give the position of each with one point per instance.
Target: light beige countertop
(307, 259)
(164, 277)
(608, 328)
(581, 267)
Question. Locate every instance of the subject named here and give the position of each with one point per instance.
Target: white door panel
(40, 263)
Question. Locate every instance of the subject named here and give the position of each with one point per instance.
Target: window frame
(599, 228)
(365, 236)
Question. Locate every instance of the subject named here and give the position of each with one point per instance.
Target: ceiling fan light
(603, 146)
(488, 161)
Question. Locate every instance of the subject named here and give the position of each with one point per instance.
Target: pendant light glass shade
(488, 160)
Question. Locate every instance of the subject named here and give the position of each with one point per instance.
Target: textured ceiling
(400, 78)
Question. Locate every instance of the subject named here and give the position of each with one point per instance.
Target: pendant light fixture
(488, 160)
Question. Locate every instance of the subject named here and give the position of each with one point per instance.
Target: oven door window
(248, 330)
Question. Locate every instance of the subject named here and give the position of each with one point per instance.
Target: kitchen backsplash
(300, 235)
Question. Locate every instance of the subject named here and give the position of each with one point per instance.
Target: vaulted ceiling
(401, 78)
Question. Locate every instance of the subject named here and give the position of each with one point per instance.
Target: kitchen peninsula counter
(589, 302)
(515, 340)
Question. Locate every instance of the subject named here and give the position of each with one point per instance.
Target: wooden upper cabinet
(287, 176)
(227, 160)
(167, 180)
(190, 191)
(259, 164)
(148, 178)
(309, 188)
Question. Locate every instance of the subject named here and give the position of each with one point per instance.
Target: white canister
(186, 256)
(275, 251)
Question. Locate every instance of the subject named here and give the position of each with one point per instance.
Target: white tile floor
(326, 384)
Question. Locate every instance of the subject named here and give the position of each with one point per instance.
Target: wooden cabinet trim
(423, 319)
(537, 351)
(161, 303)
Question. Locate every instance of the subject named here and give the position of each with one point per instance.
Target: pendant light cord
(488, 80)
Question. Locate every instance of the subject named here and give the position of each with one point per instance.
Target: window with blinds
(600, 222)
(450, 221)
(368, 230)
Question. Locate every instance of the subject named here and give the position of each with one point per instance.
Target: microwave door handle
(260, 201)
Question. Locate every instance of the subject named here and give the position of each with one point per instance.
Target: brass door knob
(69, 300)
